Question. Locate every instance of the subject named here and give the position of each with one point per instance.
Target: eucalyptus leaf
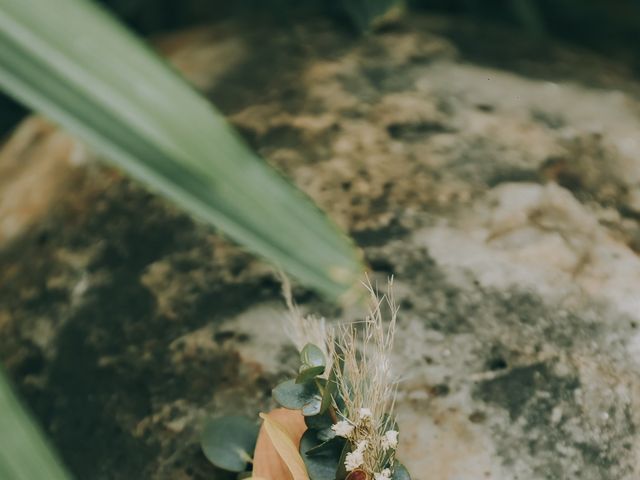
(294, 395)
(323, 466)
(319, 422)
(312, 356)
(313, 363)
(309, 373)
(326, 447)
(312, 407)
(400, 472)
(325, 434)
(229, 442)
(73, 62)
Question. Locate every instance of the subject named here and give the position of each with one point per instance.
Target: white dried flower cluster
(343, 429)
(383, 475)
(364, 413)
(355, 459)
(390, 440)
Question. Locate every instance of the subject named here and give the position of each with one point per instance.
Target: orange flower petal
(276, 456)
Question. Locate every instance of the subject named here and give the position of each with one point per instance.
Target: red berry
(358, 475)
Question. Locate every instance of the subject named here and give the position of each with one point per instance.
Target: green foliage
(400, 472)
(24, 453)
(294, 395)
(307, 391)
(312, 356)
(229, 442)
(312, 407)
(322, 447)
(309, 373)
(313, 363)
(321, 424)
(320, 458)
(341, 474)
(322, 451)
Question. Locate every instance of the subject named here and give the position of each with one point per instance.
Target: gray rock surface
(506, 202)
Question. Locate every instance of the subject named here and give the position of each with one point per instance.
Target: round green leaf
(319, 422)
(400, 472)
(312, 407)
(309, 373)
(312, 356)
(323, 465)
(294, 395)
(229, 442)
(326, 434)
(332, 447)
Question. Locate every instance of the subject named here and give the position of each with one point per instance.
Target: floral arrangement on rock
(337, 417)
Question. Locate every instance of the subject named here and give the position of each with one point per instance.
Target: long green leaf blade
(24, 455)
(73, 62)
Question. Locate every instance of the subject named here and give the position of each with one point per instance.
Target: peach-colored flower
(276, 456)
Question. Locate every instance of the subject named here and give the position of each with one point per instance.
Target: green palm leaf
(70, 60)
(24, 455)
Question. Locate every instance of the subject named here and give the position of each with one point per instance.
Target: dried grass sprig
(366, 383)
(305, 329)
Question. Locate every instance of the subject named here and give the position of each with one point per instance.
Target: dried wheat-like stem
(303, 329)
(366, 383)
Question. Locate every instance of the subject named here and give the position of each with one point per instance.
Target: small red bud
(358, 475)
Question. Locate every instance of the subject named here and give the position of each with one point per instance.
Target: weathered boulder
(506, 202)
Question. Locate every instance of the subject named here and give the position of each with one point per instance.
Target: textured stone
(503, 201)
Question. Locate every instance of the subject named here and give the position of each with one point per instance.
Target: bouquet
(336, 420)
